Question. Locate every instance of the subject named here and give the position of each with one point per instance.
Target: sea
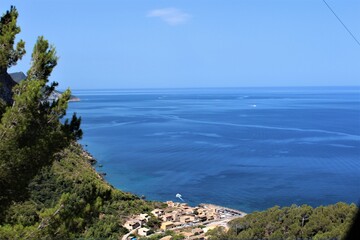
(243, 148)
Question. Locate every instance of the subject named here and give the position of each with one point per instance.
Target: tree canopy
(48, 189)
(294, 222)
(10, 54)
(31, 133)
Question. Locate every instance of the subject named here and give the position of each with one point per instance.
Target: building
(170, 204)
(176, 215)
(210, 216)
(167, 217)
(166, 225)
(143, 232)
(200, 211)
(177, 224)
(187, 235)
(202, 218)
(157, 212)
(197, 231)
(188, 210)
(143, 218)
(187, 218)
(131, 225)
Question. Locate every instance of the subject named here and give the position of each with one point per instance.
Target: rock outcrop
(8, 81)
(6, 85)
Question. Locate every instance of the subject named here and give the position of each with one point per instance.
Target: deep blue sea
(245, 148)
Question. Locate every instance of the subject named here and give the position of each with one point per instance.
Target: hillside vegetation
(48, 189)
(70, 200)
(294, 222)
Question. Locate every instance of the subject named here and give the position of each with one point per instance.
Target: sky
(121, 44)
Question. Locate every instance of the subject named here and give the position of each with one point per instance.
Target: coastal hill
(69, 200)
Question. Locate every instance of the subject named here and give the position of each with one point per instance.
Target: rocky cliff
(6, 84)
(8, 81)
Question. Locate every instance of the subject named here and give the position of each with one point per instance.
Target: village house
(177, 224)
(143, 232)
(167, 217)
(177, 204)
(143, 218)
(187, 218)
(200, 211)
(157, 212)
(170, 204)
(212, 210)
(166, 225)
(176, 215)
(187, 235)
(197, 231)
(210, 217)
(131, 225)
(202, 218)
(207, 210)
(188, 210)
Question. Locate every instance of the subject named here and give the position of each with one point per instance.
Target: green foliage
(44, 60)
(11, 232)
(173, 234)
(2, 106)
(31, 135)
(154, 222)
(70, 200)
(218, 233)
(107, 228)
(295, 222)
(8, 31)
(24, 214)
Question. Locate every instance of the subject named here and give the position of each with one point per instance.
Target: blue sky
(194, 43)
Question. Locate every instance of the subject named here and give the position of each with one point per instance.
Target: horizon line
(184, 88)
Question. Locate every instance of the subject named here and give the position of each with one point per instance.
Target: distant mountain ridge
(17, 76)
(9, 80)
(6, 84)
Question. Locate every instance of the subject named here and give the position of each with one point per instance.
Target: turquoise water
(246, 148)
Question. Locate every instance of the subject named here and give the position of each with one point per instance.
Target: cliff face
(6, 85)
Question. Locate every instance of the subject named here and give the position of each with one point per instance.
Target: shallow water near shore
(245, 148)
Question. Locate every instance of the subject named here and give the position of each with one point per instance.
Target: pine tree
(31, 133)
(8, 31)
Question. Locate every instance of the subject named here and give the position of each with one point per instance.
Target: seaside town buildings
(182, 219)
